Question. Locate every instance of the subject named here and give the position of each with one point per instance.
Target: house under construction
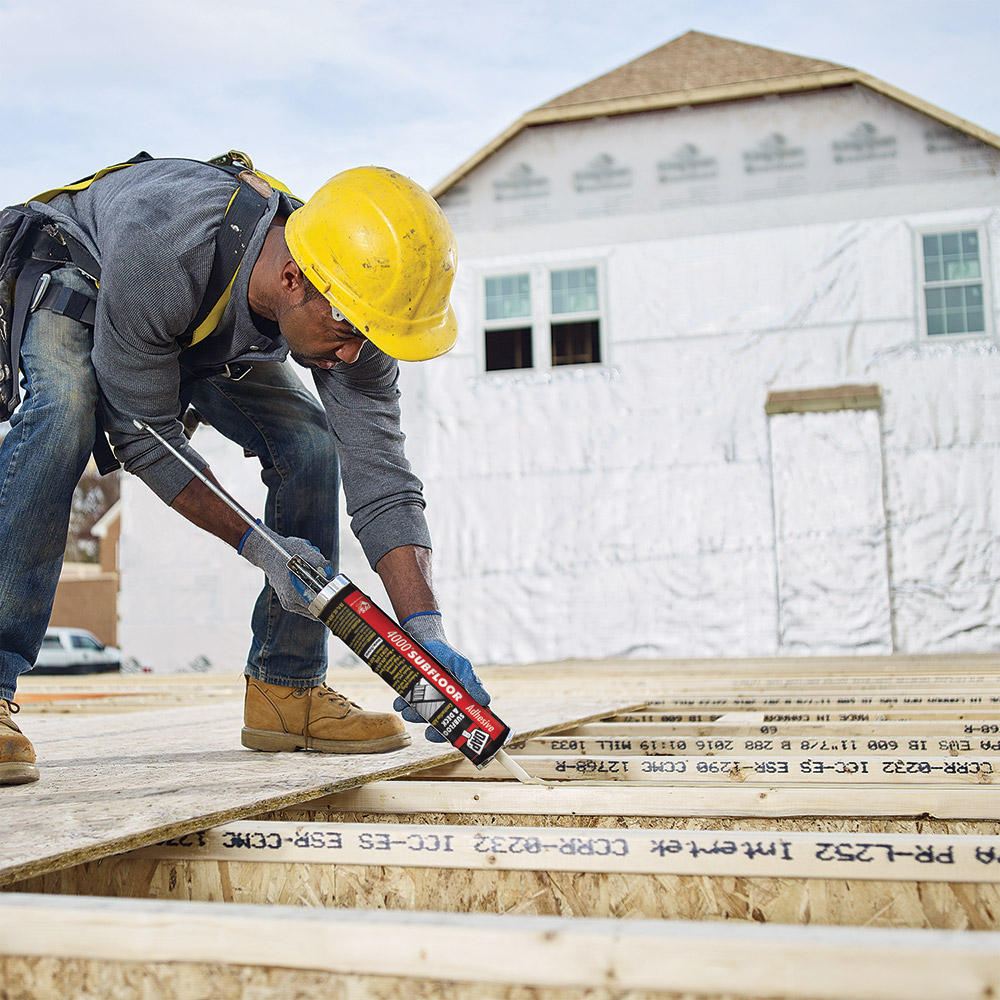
(723, 399)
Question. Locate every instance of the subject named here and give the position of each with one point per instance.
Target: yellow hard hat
(382, 253)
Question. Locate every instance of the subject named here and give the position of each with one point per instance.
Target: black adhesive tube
(405, 665)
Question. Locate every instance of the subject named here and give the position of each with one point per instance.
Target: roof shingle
(692, 61)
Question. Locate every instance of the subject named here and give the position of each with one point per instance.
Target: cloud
(319, 86)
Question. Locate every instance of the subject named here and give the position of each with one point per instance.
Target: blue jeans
(268, 412)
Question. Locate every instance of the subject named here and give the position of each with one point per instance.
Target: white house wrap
(643, 264)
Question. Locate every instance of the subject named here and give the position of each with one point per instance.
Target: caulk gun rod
(224, 497)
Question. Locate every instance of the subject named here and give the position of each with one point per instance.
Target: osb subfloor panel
(825, 902)
(115, 782)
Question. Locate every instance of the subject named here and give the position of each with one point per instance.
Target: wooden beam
(840, 700)
(871, 713)
(860, 771)
(739, 959)
(572, 799)
(824, 400)
(815, 745)
(756, 854)
(986, 732)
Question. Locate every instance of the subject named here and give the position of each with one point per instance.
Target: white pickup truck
(75, 651)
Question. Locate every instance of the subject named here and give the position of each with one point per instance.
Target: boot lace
(336, 697)
(7, 709)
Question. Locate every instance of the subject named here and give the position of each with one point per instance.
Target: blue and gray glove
(427, 629)
(289, 590)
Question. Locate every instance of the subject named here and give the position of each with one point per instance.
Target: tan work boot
(17, 755)
(316, 718)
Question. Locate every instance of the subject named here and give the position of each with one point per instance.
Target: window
(574, 293)
(543, 317)
(508, 345)
(84, 642)
(508, 297)
(508, 348)
(953, 283)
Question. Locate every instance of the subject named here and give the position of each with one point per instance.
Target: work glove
(428, 630)
(289, 590)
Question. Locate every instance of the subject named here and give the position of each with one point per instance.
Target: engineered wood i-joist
(677, 769)
(572, 799)
(830, 963)
(754, 971)
(988, 731)
(782, 854)
(867, 714)
(841, 700)
(112, 783)
(818, 744)
(403, 875)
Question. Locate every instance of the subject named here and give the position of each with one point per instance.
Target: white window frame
(542, 317)
(921, 284)
(507, 323)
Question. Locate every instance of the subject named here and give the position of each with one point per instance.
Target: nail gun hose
(412, 672)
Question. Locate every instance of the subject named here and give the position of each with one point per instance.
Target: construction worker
(348, 283)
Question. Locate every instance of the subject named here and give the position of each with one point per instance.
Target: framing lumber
(118, 782)
(770, 854)
(871, 713)
(817, 745)
(989, 731)
(520, 891)
(830, 963)
(945, 699)
(843, 769)
(570, 799)
(824, 400)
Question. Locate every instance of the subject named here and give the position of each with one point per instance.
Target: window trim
(541, 315)
(986, 272)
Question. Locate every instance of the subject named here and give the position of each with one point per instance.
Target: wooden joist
(770, 770)
(826, 715)
(840, 700)
(743, 959)
(571, 799)
(781, 854)
(816, 744)
(987, 731)
(845, 791)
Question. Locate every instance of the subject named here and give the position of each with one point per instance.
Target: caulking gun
(412, 672)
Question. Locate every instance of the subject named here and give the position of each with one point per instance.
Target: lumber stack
(753, 829)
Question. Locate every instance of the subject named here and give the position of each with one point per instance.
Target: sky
(312, 88)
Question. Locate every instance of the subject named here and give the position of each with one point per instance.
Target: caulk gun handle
(310, 577)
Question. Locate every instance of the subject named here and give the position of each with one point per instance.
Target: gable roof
(696, 68)
(692, 62)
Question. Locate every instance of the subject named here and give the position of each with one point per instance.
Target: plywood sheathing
(113, 783)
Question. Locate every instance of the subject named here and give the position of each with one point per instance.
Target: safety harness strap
(27, 280)
(69, 302)
(245, 210)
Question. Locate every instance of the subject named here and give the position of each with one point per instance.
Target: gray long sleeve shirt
(152, 227)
